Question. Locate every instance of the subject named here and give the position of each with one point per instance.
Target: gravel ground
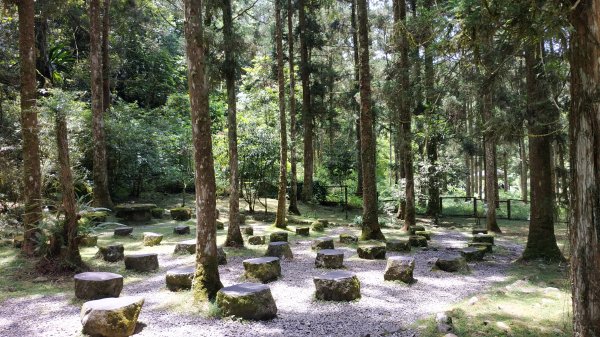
(385, 309)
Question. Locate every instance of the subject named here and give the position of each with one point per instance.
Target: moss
(206, 282)
(157, 212)
(181, 213)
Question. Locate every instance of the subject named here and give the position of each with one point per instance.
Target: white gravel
(385, 309)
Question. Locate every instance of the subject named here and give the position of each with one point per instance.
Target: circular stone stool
(322, 243)
(181, 230)
(180, 278)
(452, 264)
(483, 238)
(152, 239)
(303, 231)
(398, 245)
(111, 316)
(416, 228)
(417, 241)
(280, 250)
(123, 231)
(185, 247)
(348, 238)
(371, 252)
(400, 268)
(263, 269)
(256, 240)
(96, 285)
(337, 286)
(329, 258)
(251, 301)
(248, 230)
(487, 246)
(141, 262)
(278, 237)
(111, 253)
(473, 253)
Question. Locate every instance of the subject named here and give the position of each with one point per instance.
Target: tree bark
(105, 57)
(523, 154)
(234, 235)
(356, 105)
(293, 207)
(44, 71)
(280, 216)
(32, 189)
(307, 119)
(370, 226)
(584, 142)
(206, 281)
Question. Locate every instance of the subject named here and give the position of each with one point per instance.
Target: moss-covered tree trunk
(293, 207)
(307, 118)
(206, 281)
(105, 56)
(280, 216)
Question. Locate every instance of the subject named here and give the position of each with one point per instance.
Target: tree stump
(473, 253)
(123, 231)
(452, 264)
(263, 269)
(181, 230)
(348, 238)
(371, 252)
(141, 262)
(152, 239)
(398, 245)
(252, 301)
(186, 247)
(303, 231)
(115, 317)
(96, 285)
(417, 241)
(278, 237)
(329, 258)
(256, 240)
(322, 243)
(180, 278)
(400, 268)
(337, 286)
(111, 253)
(280, 250)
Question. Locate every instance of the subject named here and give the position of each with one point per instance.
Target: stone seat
(114, 317)
(397, 245)
(135, 212)
(141, 262)
(263, 269)
(111, 253)
(181, 213)
(123, 231)
(152, 239)
(371, 252)
(248, 230)
(181, 230)
(348, 238)
(452, 264)
(180, 278)
(400, 268)
(303, 231)
(280, 249)
(322, 243)
(337, 286)
(330, 258)
(473, 253)
(186, 247)
(486, 245)
(476, 231)
(483, 238)
(256, 240)
(425, 234)
(252, 301)
(415, 228)
(318, 226)
(96, 285)
(417, 241)
(278, 237)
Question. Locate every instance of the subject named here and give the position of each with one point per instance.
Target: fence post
(474, 206)
(508, 208)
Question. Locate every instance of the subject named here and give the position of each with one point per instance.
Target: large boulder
(303, 231)
(337, 286)
(141, 262)
(134, 212)
(398, 245)
(400, 268)
(263, 269)
(452, 264)
(186, 247)
(473, 253)
(348, 238)
(322, 243)
(181, 213)
(280, 250)
(96, 285)
(123, 231)
(180, 278)
(114, 317)
(483, 238)
(111, 253)
(330, 258)
(221, 256)
(252, 301)
(152, 239)
(371, 252)
(181, 230)
(256, 240)
(278, 237)
(417, 241)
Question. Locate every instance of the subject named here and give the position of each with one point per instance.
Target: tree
(105, 56)
(293, 207)
(370, 226)
(359, 177)
(281, 193)
(100, 174)
(234, 235)
(206, 281)
(584, 142)
(307, 118)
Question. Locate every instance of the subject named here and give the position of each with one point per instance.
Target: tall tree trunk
(293, 207)
(370, 226)
(206, 281)
(356, 105)
(44, 71)
(100, 175)
(584, 142)
(523, 178)
(307, 118)
(505, 169)
(32, 188)
(105, 57)
(234, 235)
(280, 216)
(541, 115)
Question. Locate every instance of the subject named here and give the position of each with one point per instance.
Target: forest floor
(499, 297)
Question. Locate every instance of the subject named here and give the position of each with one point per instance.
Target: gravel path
(385, 309)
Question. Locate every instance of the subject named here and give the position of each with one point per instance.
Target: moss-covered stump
(348, 238)
(280, 249)
(256, 240)
(252, 301)
(483, 238)
(134, 212)
(317, 226)
(476, 231)
(181, 213)
(114, 317)
(400, 268)
(473, 253)
(337, 286)
(220, 225)
(181, 230)
(123, 231)
(221, 256)
(94, 217)
(425, 234)
(278, 237)
(152, 239)
(322, 243)
(111, 253)
(96, 285)
(180, 278)
(371, 252)
(141, 262)
(416, 228)
(157, 213)
(486, 245)
(417, 241)
(88, 240)
(451, 264)
(262, 269)
(303, 231)
(330, 258)
(398, 245)
(186, 247)
(248, 230)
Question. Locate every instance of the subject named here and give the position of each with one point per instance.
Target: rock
(141, 262)
(280, 250)
(186, 247)
(400, 268)
(483, 238)
(220, 225)
(221, 256)
(348, 238)
(181, 213)
(256, 240)
(425, 234)
(96, 285)
(371, 252)
(251, 301)
(473, 253)
(152, 239)
(476, 231)
(114, 317)
(414, 229)
(134, 212)
(473, 300)
(263, 269)
(180, 278)
(443, 322)
(157, 213)
(398, 245)
(111, 253)
(322, 243)
(88, 241)
(303, 231)
(278, 237)
(94, 217)
(241, 219)
(325, 222)
(329, 258)
(248, 230)
(337, 286)
(317, 226)
(503, 326)
(123, 231)
(181, 230)
(417, 241)
(487, 246)
(452, 264)
(450, 335)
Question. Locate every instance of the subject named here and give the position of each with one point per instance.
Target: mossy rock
(371, 252)
(325, 222)
(111, 253)
(317, 226)
(330, 258)
(322, 243)
(451, 264)
(241, 219)
(483, 238)
(256, 240)
(252, 301)
(152, 239)
(134, 212)
(337, 286)
(88, 240)
(348, 238)
(123, 231)
(157, 213)
(280, 249)
(476, 231)
(400, 268)
(488, 246)
(181, 230)
(248, 230)
(181, 213)
(180, 278)
(94, 217)
(115, 317)
(97, 285)
(416, 228)
(303, 231)
(263, 269)
(425, 234)
(186, 247)
(417, 241)
(278, 237)
(398, 245)
(473, 253)
(141, 262)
